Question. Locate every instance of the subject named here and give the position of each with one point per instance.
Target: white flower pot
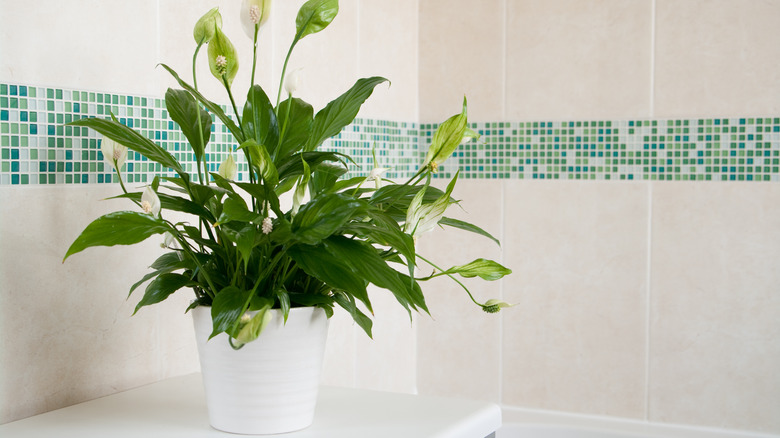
(270, 385)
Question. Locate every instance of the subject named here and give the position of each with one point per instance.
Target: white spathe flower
(228, 168)
(292, 81)
(114, 153)
(376, 175)
(150, 202)
(254, 13)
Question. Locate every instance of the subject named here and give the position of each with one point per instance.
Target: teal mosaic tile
(718, 149)
(35, 147)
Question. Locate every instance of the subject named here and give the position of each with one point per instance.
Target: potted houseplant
(267, 273)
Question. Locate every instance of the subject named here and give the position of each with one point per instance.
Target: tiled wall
(645, 262)
(36, 147)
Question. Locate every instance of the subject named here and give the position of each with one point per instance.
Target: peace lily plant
(242, 253)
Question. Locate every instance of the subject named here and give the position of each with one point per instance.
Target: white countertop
(176, 408)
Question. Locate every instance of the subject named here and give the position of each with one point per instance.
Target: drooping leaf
(118, 228)
(260, 119)
(324, 215)
(348, 303)
(133, 140)
(227, 308)
(340, 112)
(314, 16)
(162, 287)
(318, 262)
(174, 203)
(234, 209)
(365, 260)
(213, 107)
(467, 227)
(184, 110)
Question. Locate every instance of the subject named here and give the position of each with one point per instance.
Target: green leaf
(348, 303)
(174, 203)
(319, 263)
(227, 308)
(261, 161)
(260, 119)
(314, 16)
(324, 177)
(234, 209)
(324, 215)
(213, 107)
(244, 238)
(184, 110)
(161, 288)
(220, 45)
(467, 227)
(133, 140)
(364, 259)
(118, 228)
(340, 112)
(252, 329)
(483, 268)
(292, 166)
(296, 118)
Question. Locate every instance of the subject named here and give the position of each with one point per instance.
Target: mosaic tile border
(35, 147)
(715, 149)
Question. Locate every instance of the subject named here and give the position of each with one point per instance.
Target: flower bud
(254, 13)
(292, 81)
(150, 202)
(228, 168)
(204, 28)
(494, 306)
(223, 57)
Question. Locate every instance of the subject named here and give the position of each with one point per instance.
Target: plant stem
(451, 277)
(284, 69)
(254, 58)
(200, 123)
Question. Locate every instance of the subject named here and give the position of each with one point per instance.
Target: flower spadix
(204, 28)
(223, 57)
(150, 202)
(113, 153)
(494, 305)
(254, 13)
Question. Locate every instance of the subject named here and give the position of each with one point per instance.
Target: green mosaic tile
(38, 149)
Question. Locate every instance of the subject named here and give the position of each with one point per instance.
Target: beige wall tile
(715, 306)
(67, 331)
(574, 59)
(83, 44)
(328, 59)
(388, 47)
(575, 340)
(458, 346)
(388, 361)
(715, 58)
(461, 52)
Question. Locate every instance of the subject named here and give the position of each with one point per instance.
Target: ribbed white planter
(270, 385)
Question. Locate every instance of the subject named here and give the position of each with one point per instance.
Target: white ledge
(176, 408)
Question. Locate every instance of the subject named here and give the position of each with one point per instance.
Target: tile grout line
(648, 285)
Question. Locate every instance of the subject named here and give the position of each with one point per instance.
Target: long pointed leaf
(213, 107)
(161, 288)
(184, 110)
(260, 119)
(340, 112)
(118, 228)
(467, 227)
(133, 140)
